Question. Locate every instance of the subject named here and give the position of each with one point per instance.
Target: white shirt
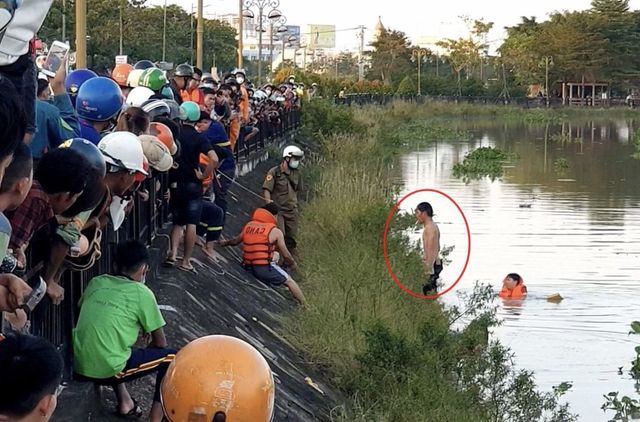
(25, 24)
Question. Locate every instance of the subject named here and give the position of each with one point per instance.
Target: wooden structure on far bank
(589, 94)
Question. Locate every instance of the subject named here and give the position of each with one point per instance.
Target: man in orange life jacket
(260, 238)
(513, 287)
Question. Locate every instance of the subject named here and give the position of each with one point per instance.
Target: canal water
(566, 217)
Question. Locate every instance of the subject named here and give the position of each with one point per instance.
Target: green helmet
(183, 70)
(153, 78)
(192, 110)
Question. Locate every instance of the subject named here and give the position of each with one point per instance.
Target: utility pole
(200, 32)
(164, 33)
(81, 34)
(64, 20)
(240, 29)
(191, 32)
(121, 6)
(361, 54)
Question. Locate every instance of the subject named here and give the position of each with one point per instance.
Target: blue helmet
(74, 81)
(99, 99)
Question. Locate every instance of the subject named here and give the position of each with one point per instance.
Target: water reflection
(573, 232)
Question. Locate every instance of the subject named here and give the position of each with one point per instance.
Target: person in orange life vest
(241, 79)
(260, 238)
(192, 91)
(513, 287)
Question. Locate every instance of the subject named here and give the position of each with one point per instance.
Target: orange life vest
(518, 292)
(256, 247)
(204, 162)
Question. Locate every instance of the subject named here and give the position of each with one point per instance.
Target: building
(379, 29)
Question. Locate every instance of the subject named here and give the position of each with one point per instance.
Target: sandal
(169, 263)
(134, 413)
(191, 270)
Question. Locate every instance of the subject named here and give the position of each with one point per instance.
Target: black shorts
(271, 274)
(186, 204)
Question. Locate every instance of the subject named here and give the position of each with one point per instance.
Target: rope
(240, 185)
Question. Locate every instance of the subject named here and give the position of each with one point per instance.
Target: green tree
(462, 54)
(407, 86)
(610, 6)
(390, 59)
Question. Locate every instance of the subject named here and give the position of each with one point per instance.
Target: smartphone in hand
(57, 53)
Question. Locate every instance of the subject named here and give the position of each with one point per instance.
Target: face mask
(239, 79)
(268, 91)
(294, 164)
(116, 211)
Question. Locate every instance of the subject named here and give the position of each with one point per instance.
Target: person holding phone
(16, 56)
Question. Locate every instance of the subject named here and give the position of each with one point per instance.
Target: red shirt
(31, 215)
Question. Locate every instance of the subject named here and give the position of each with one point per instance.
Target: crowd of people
(75, 151)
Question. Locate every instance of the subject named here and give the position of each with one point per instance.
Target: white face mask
(268, 91)
(116, 210)
(240, 79)
(294, 164)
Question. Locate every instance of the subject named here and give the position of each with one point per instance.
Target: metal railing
(56, 322)
(524, 102)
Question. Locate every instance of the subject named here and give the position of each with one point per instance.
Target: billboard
(320, 36)
(293, 30)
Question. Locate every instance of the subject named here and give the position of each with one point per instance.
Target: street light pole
(419, 54)
(274, 14)
(240, 28)
(164, 32)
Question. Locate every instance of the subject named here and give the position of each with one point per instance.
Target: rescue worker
(281, 185)
(431, 247)
(260, 239)
(192, 91)
(200, 385)
(180, 80)
(513, 287)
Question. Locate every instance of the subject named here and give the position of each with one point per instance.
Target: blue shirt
(89, 133)
(55, 123)
(220, 142)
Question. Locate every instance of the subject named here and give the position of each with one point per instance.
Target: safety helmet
(144, 64)
(192, 111)
(156, 108)
(95, 189)
(99, 99)
(167, 93)
(314, 84)
(145, 165)
(153, 78)
(138, 96)
(292, 151)
(124, 151)
(183, 70)
(120, 73)
(177, 113)
(133, 80)
(163, 133)
(216, 375)
(241, 71)
(74, 81)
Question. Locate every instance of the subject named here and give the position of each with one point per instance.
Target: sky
(417, 18)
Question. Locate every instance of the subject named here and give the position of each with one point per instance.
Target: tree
(610, 6)
(407, 86)
(462, 54)
(390, 58)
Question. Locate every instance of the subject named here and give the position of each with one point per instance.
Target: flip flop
(134, 413)
(169, 263)
(191, 270)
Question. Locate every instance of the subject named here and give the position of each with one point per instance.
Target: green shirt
(113, 309)
(283, 187)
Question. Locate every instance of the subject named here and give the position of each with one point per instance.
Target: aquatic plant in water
(561, 165)
(480, 163)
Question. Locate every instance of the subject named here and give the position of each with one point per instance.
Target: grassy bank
(396, 357)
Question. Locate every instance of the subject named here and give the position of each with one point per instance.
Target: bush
(407, 86)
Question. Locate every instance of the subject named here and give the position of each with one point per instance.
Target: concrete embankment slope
(224, 299)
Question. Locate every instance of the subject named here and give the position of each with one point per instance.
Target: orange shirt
(195, 96)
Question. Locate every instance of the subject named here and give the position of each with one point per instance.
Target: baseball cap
(156, 153)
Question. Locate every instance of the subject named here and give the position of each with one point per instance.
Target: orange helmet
(145, 166)
(216, 375)
(163, 133)
(120, 73)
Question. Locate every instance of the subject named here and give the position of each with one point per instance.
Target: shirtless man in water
(431, 247)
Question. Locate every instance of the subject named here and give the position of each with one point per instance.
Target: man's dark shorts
(271, 274)
(186, 204)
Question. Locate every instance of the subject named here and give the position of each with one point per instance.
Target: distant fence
(524, 102)
(56, 323)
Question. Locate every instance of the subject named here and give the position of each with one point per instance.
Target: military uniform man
(281, 185)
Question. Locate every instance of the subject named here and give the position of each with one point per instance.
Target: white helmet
(292, 151)
(138, 96)
(123, 150)
(133, 80)
(236, 71)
